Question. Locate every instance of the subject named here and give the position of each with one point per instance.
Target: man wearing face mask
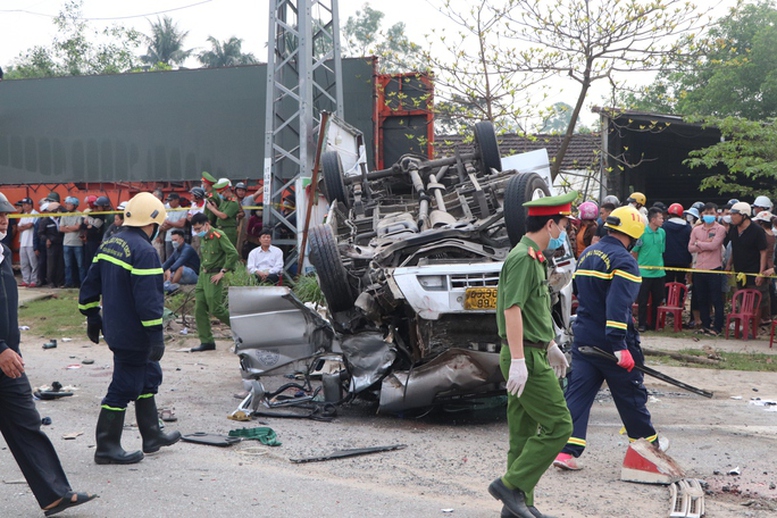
(537, 417)
(707, 243)
(217, 257)
(127, 274)
(182, 265)
(607, 281)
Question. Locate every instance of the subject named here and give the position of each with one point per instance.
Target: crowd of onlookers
(712, 251)
(58, 240)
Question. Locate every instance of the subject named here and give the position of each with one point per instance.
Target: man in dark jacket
(183, 265)
(678, 234)
(128, 275)
(48, 230)
(19, 420)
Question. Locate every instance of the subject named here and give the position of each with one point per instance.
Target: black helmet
(198, 192)
(103, 201)
(699, 205)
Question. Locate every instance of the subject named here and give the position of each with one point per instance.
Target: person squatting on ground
(538, 420)
(266, 261)
(183, 265)
(217, 257)
(707, 243)
(19, 420)
(128, 275)
(649, 251)
(607, 281)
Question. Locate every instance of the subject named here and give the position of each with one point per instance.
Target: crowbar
(341, 454)
(595, 351)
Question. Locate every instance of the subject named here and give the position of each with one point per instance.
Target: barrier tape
(741, 277)
(20, 215)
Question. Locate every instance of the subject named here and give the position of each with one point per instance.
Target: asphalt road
(444, 471)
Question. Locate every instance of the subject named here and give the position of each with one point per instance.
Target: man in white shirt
(27, 257)
(266, 261)
(176, 218)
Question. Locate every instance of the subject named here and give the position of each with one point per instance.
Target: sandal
(168, 415)
(67, 502)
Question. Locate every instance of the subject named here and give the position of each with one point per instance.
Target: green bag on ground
(263, 434)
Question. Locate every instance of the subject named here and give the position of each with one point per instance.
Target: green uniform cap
(209, 177)
(552, 205)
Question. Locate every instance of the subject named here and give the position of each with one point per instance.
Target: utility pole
(304, 78)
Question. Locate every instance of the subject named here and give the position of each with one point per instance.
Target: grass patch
(54, 317)
(756, 362)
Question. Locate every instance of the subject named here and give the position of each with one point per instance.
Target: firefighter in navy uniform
(127, 273)
(607, 281)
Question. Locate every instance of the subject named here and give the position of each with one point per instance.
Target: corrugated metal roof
(583, 151)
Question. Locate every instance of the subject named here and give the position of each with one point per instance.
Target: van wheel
(521, 188)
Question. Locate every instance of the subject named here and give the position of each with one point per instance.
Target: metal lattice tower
(304, 78)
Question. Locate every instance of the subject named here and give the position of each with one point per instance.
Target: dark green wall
(156, 126)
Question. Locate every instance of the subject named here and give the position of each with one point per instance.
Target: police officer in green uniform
(217, 256)
(537, 416)
(208, 181)
(225, 211)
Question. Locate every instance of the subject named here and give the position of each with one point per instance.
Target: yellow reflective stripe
(594, 273)
(113, 408)
(147, 271)
(149, 323)
(145, 396)
(576, 441)
(627, 276)
(90, 305)
(652, 438)
(127, 266)
(616, 324)
(117, 262)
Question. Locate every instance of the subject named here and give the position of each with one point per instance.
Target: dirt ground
(444, 470)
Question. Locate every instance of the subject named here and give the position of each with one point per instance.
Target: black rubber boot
(148, 424)
(110, 425)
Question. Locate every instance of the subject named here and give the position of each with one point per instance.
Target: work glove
(624, 359)
(516, 381)
(94, 326)
(558, 361)
(157, 351)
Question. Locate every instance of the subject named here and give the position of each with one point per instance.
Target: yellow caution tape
(741, 277)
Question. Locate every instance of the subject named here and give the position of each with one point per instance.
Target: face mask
(557, 242)
(201, 233)
(175, 245)
(708, 219)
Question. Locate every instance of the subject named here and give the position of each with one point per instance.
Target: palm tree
(225, 54)
(165, 45)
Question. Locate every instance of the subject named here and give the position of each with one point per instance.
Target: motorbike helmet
(588, 210)
(676, 209)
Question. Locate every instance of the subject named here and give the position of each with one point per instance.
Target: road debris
(354, 452)
(51, 345)
(72, 436)
(687, 498)
(211, 439)
(646, 464)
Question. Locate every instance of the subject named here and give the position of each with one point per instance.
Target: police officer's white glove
(517, 379)
(558, 362)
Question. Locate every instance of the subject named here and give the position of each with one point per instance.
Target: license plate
(480, 298)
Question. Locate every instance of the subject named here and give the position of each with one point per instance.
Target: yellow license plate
(480, 298)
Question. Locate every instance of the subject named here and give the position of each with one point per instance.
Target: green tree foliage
(594, 40)
(744, 163)
(165, 45)
(734, 74)
(225, 54)
(364, 35)
(78, 49)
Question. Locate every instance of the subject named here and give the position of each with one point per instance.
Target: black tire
(488, 149)
(331, 273)
(334, 184)
(521, 188)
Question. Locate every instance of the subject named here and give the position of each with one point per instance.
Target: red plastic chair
(744, 305)
(675, 304)
(771, 335)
